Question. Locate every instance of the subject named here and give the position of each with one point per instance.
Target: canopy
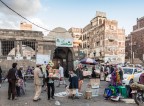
(88, 61)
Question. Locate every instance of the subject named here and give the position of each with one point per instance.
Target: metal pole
(131, 51)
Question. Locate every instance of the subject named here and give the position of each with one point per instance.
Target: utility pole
(131, 51)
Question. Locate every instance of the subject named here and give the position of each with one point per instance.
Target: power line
(29, 20)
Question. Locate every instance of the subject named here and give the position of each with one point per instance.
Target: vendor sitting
(73, 79)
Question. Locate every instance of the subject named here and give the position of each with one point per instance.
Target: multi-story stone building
(76, 34)
(135, 41)
(102, 39)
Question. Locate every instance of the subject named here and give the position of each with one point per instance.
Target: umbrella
(88, 61)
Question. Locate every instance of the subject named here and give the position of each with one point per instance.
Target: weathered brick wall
(141, 22)
(138, 44)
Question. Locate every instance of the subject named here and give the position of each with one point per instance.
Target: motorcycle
(138, 93)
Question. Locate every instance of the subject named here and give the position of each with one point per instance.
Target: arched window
(100, 21)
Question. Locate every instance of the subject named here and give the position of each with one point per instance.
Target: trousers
(50, 86)
(12, 89)
(37, 92)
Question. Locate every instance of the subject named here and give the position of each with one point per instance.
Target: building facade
(76, 34)
(25, 26)
(135, 41)
(103, 40)
(22, 46)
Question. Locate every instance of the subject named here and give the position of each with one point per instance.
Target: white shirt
(61, 71)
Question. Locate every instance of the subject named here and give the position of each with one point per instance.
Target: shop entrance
(64, 56)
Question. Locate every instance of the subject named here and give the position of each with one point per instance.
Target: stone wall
(7, 64)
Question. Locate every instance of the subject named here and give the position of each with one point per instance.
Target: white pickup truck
(137, 76)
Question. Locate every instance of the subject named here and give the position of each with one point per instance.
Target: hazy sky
(70, 13)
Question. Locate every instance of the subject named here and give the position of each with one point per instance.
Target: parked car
(137, 76)
(129, 73)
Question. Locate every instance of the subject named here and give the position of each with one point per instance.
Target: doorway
(64, 56)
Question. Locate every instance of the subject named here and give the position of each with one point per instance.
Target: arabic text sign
(42, 59)
(61, 42)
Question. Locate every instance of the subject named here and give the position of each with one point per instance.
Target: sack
(107, 92)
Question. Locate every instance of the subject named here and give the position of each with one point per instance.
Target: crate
(95, 90)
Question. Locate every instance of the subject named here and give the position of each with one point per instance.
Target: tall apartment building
(102, 39)
(76, 34)
(135, 41)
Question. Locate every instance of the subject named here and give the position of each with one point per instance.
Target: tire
(136, 99)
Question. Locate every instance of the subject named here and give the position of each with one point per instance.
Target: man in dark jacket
(73, 86)
(11, 76)
(79, 73)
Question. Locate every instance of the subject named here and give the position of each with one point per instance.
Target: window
(100, 21)
(7, 46)
(30, 44)
(98, 43)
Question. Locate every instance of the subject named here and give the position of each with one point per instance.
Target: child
(73, 79)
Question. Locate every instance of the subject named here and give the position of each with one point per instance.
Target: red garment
(141, 78)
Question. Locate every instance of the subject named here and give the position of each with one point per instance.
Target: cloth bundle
(136, 86)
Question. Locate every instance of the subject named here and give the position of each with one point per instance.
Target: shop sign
(64, 42)
(42, 59)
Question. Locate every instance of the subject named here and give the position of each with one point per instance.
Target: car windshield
(128, 70)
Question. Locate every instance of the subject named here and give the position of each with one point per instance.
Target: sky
(69, 13)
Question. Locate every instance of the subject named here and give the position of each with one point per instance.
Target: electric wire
(29, 20)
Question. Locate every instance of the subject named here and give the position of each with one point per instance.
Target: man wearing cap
(37, 82)
(11, 76)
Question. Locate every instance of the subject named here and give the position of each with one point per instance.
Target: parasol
(88, 61)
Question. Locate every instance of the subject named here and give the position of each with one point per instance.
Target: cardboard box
(95, 82)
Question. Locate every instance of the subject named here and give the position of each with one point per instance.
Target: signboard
(28, 58)
(9, 58)
(64, 42)
(18, 57)
(42, 59)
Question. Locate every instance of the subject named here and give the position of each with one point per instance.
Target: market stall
(93, 85)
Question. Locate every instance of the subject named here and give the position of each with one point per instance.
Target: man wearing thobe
(37, 82)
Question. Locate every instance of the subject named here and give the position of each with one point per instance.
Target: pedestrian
(11, 76)
(93, 75)
(79, 73)
(102, 76)
(0, 76)
(50, 82)
(121, 74)
(19, 78)
(43, 69)
(141, 79)
(106, 71)
(113, 78)
(61, 80)
(111, 69)
(29, 71)
(19, 72)
(37, 82)
(73, 86)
